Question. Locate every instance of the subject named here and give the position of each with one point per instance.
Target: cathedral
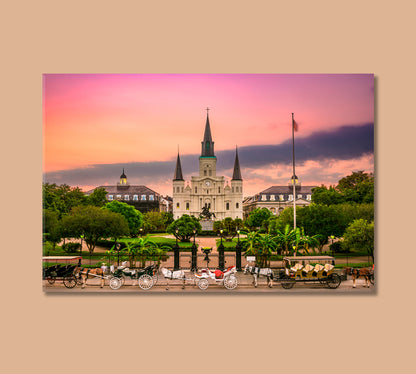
(207, 191)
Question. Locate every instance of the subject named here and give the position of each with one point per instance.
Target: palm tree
(267, 244)
(285, 239)
(307, 241)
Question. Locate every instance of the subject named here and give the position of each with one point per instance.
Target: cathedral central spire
(207, 143)
(178, 170)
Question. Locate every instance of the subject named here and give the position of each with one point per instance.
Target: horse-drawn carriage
(226, 278)
(146, 277)
(309, 269)
(60, 271)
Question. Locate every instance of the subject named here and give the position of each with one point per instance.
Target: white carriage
(226, 278)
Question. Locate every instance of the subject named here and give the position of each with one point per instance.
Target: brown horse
(356, 273)
(84, 273)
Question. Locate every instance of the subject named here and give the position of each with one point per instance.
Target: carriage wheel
(333, 281)
(230, 282)
(287, 282)
(145, 282)
(122, 278)
(202, 284)
(51, 280)
(115, 283)
(70, 281)
(322, 280)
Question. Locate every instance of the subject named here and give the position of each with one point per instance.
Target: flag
(295, 125)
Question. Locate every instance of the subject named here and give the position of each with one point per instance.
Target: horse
(356, 273)
(256, 272)
(83, 273)
(176, 274)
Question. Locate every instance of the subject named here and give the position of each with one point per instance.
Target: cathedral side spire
(237, 171)
(178, 170)
(207, 143)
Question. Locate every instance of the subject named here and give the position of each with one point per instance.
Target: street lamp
(194, 254)
(140, 231)
(332, 244)
(117, 248)
(80, 250)
(238, 252)
(294, 250)
(176, 252)
(221, 260)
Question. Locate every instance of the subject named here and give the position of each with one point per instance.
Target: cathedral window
(135, 197)
(210, 173)
(187, 206)
(236, 205)
(151, 197)
(143, 197)
(219, 189)
(177, 205)
(205, 173)
(126, 197)
(196, 189)
(227, 206)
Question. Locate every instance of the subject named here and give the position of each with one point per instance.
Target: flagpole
(294, 181)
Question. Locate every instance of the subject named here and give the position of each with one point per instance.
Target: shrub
(71, 247)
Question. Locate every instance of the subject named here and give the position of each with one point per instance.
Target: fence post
(194, 258)
(221, 261)
(176, 257)
(238, 256)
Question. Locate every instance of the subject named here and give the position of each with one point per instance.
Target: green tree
(257, 217)
(97, 197)
(156, 221)
(95, 224)
(286, 238)
(326, 196)
(360, 236)
(133, 217)
(62, 199)
(229, 227)
(185, 226)
(308, 242)
(52, 227)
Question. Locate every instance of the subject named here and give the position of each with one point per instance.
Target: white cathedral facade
(207, 189)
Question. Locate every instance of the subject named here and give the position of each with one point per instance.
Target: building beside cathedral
(141, 197)
(207, 189)
(278, 198)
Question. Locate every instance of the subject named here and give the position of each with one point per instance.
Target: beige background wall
(182, 333)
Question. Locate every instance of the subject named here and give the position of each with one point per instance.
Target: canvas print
(202, 183)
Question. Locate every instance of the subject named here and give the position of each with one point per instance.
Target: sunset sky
(94, 125)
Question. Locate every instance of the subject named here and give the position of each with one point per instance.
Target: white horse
(256, 272)
(177, 274)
